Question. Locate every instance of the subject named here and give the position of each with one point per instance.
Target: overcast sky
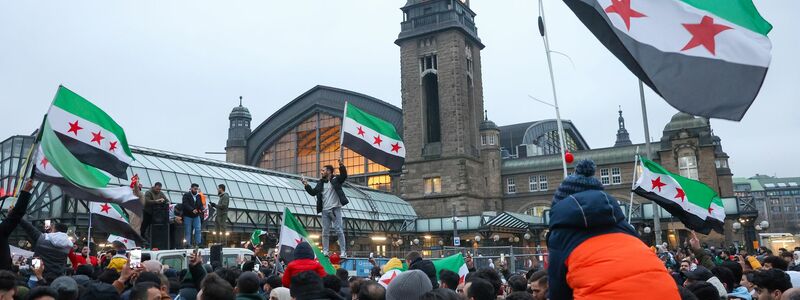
(171, 71)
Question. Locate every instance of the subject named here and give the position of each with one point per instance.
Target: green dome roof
(683, 120)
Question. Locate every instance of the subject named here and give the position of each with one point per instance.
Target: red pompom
(569, 157)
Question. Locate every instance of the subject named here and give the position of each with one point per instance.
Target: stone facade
(456, 159)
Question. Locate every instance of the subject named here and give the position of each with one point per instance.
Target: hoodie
(303, 261)
(592, 248)
(52, 248)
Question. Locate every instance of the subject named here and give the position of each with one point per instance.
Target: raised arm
(342, 172)
(15, 216)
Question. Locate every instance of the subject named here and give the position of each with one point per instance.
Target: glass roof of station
(255, 189)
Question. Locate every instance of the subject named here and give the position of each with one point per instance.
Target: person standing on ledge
(330, 199)
(222, 209)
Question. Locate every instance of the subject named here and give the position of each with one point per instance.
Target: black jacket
(337, 182)
(8, 225)
(190, 204)
(427, 267)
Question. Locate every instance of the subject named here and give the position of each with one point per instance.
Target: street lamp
(647, 230)
(478, 238)
(736, 226)
(496, 238)
(527, 236)
(764, 224)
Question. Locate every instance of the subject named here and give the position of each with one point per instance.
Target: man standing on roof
(330, 199)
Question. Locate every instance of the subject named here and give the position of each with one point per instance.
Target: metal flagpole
(633, 183)
(89, 233)
(656, 208)
(543, 33)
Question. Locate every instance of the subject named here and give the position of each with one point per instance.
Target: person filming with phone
(330, 199)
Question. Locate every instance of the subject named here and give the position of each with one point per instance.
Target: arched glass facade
(258, 196)
(313, 144)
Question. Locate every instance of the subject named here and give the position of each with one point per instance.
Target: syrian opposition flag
(129, 244)
(110, 218)
(292, 234)
(691, 201)
(90, 134)
(46, 172)
(390, 275)
(453, 263)
(705, 58)
(372, 137)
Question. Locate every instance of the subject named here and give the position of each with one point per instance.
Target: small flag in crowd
(79, 145)
(691, 201)
(292, 234)
(110, 218)
(255, 237)
(130, 244)
(372, 137)
(705, 58)
(453, 263)
(388, 276)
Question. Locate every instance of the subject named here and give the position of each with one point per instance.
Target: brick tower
(442, 109)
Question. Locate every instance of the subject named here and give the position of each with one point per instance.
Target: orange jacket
(618, 266)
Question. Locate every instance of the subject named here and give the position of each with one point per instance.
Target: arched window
(430, 86)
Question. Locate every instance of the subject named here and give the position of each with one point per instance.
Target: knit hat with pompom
(580, 181)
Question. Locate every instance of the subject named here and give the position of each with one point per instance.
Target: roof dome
(683, 120)
(240, 112)
(488, 125)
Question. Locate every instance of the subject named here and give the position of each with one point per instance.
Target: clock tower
(442, 98)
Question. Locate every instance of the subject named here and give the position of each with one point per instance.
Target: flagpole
(543, 33)
(633, 183)
(341, 133)
(89, 233)
(27, 166)
(656, 208)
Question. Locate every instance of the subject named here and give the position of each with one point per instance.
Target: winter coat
(303, 261)
(427, 267)
(337, 182)
(596, 254)
(52, 248)
(77, 259)
(298, 266)
(8, 225)
(190, 203)
(253, 296)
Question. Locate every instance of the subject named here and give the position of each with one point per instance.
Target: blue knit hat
(581, 181)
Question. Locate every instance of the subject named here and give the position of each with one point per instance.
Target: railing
(440, 17)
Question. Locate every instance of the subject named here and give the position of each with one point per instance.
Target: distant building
(777, 198)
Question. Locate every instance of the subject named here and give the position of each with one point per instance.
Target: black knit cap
(580, 181)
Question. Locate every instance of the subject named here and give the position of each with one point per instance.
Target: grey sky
(170, 71)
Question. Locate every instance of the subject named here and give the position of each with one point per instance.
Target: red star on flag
(461, 279)
(388, 280)
(710, 209)
(680, 194)
(396, 147)
(105, 208)
(125, 241)
(377, 141)
(657, 184)
(298, 241)
(624, 10)
(112, 147)
(73, 127)
(704, 34)
(97, 137)
(360, 131)
(44, 162)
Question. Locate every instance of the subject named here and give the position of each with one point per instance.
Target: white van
(176, 259)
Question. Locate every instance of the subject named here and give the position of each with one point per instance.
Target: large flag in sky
(705, 58)
(122, 195)
(372, 137)
(110, 218)
(67, 157)
(90, 134)
(691, 201)
(292, 234)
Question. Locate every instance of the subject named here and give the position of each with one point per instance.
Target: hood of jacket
(303, 250)
(58, 240)
(587, 209)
